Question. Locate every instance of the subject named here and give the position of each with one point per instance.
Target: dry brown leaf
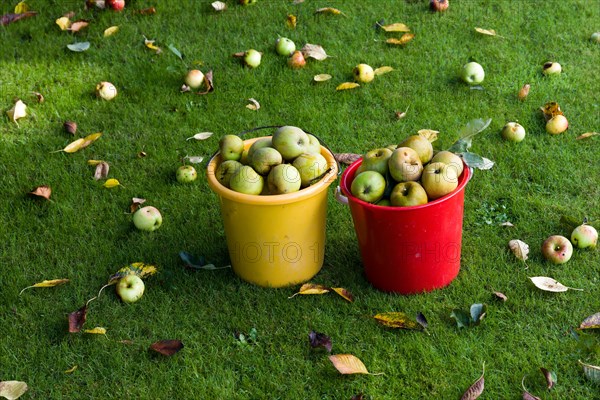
(398, 320)
(111, 31)
(46, 284)
(329, 10)
(201, 136)
(476, 389)
(551, 109)
(147, 11)
(592, 372)
(77, 319)
(396, 27)
(549, 284)
(500, 296)
(78, 25)
(42, 191)
(208, 83)
(167, 347)
(291, 21)
(253, 105)
(347, 86)
(428, 134)
(136, 202)
(344, 293)
(19, 110)
(507, 223)
(404, 39)
(314, 51)
(383, 70)
(591, 322)
(39, 97)
(346, 158)
(12, 390)
(488, 32)
(7, 19)
(311, 288)
(519, 248)
(524, 92)
(101, 171)
(348, 364)
(587, 135)
(322, 77)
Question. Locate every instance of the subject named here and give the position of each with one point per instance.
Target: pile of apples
(406, 175)
(286, 162)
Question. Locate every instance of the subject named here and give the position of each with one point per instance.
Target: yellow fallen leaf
(150, 44)
(21, 8)
(137, 268)
(344, 293)
(111, 183)
(383, 70)
(489, 32)
(407, 37)
(73, 146)
(397, 27)
(96, 331)
(71, 370)
(111, 31)
(19, 110)
(46, 284)
(93, 163)
(311, 288)
(397, 320)
(291, 21)
(329, 10)
(64, 23)
(89, 139)
(348, 364)
(347, 85)
(322, 77)
(587, 135)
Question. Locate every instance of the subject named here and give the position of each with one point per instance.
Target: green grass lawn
(85, 233)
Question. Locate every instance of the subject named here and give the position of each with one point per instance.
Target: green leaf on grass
(175, 51)
(592, 372)
(478, 312)
(463, 319)
(79, 46)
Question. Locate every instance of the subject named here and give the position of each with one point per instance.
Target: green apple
(513, 132)
(225, 171)
(186, 174)
(194, 79)
(311, 166)
(439, 179)
(448, 157)
(258, 144)
(252, 58)
(368, 186)
(284, 178)
(405, 165)
(363, 73)
(130, 288)
(557, 124)
(384, 202)
(314, 145)
(376, 160)
(551, 68)
(595, 37)
(284, 46)
(246, 180)
(472, 73)
(406, 194)
(290, 141)
(557, 249)
(231, 147)
(147, 219)
(264, 159)
(392, 147)
(421, 145)
(584, 237)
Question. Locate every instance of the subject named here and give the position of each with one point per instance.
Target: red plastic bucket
(409, 250)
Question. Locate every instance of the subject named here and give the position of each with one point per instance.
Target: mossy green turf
(85, 233)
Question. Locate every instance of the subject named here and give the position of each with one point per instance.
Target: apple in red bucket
(368, 186)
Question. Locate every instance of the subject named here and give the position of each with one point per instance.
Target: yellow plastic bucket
(275, 240)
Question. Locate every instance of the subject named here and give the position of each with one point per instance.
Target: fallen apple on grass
(472, 73)
(439, 5)
(130, 288)
(147, 219)
(551, 68)
(194, 79)
(186, 174)
(368, 186)
(116, 5)
(584, 237)
(297, 60)
(106, 90)
(595, 37)
(252, 58)
(557, 249)
(557, 124)
(284, 46)
(513, 132)
(363, 73)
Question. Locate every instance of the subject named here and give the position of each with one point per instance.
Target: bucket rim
(345, 183)
(275, 199)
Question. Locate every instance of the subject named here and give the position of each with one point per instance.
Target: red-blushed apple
(194, 79)
(513, 132)
(405, 165)
(290, 141)
(130, 288)
(584, 237)
(363, 73)
(368, 186)
(147, 219)
(264, 159)
(551, 68)
(284, 46)
(106, 90)
(439, 5)
(557, 124)
(439, 179)
(252, 58)
(472, 73)
(246, 180)
(450, 158)
(116, 5)
(283, 178)
(557, 249)
(231, 147)
(311, 166)
(421, 145)
(186, 174)
(225, 171)
(376, 160)
(297, 60)
(406, 194)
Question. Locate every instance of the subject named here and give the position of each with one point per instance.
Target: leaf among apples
(314, 51)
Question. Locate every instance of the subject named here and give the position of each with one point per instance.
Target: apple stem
(88, 302)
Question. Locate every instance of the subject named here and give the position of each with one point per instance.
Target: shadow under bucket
(275, 240)
(409, 250)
